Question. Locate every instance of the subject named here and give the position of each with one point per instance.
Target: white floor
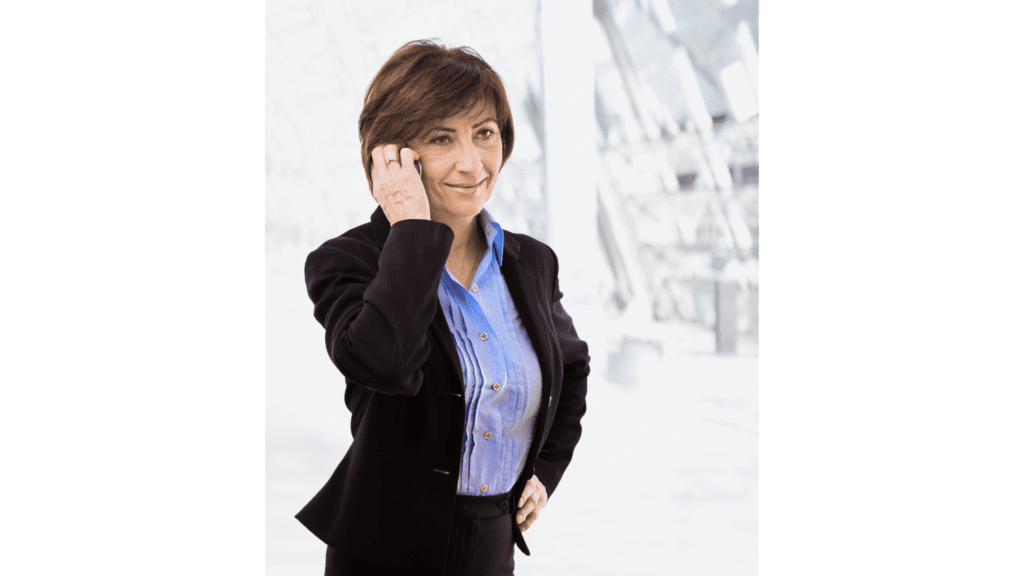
(664, 480)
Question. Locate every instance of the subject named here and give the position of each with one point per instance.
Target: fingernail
(519, 518)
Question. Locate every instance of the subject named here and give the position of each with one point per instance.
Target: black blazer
(374, 290)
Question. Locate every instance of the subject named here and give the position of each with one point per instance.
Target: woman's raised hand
(396, 184)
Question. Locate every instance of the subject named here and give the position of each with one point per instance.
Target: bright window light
(745, 40)
(738, 91)
(663, 13)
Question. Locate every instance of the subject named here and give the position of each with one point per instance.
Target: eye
(486, 133)
(442, 139)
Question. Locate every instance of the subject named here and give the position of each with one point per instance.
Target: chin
(461, 208)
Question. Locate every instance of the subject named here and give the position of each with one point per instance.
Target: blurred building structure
(676, 105)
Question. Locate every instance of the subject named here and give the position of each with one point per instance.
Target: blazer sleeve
(566, 429)
(376, 304)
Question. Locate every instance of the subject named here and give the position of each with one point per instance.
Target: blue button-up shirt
(499, 369)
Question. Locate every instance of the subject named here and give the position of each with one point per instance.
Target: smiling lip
(466, 186)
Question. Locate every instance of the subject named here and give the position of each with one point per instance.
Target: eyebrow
(477, 125)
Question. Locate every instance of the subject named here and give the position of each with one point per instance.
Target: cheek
(493, 156)
(432, 166)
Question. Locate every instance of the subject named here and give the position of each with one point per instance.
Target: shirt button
(475, 288)
(483, 488)
(495, 386)
(483, 335)
(488, 435)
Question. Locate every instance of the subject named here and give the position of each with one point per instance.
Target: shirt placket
(487, 423)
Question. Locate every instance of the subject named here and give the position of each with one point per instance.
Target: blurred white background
(636, 158)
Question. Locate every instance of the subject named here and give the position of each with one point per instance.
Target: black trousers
(481, 543)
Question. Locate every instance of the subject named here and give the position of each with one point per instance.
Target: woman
(465, 377)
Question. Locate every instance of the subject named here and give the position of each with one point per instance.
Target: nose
(468, 157)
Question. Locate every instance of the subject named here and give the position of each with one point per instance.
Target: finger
(529, 520)
(377, 155)
(376, 166)
(527, 490)
(532, 485)
(524, 511)
(408, 157)
(390, 154)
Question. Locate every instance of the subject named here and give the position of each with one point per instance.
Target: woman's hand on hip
(535, 497)
(396, 184)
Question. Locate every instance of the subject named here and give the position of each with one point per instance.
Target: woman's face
(461, 158)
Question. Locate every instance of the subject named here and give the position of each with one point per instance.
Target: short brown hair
(424, 81)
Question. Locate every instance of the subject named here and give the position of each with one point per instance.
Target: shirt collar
(493, 233)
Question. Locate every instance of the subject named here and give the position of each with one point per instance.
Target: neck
(467, 249)
(467, 234)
